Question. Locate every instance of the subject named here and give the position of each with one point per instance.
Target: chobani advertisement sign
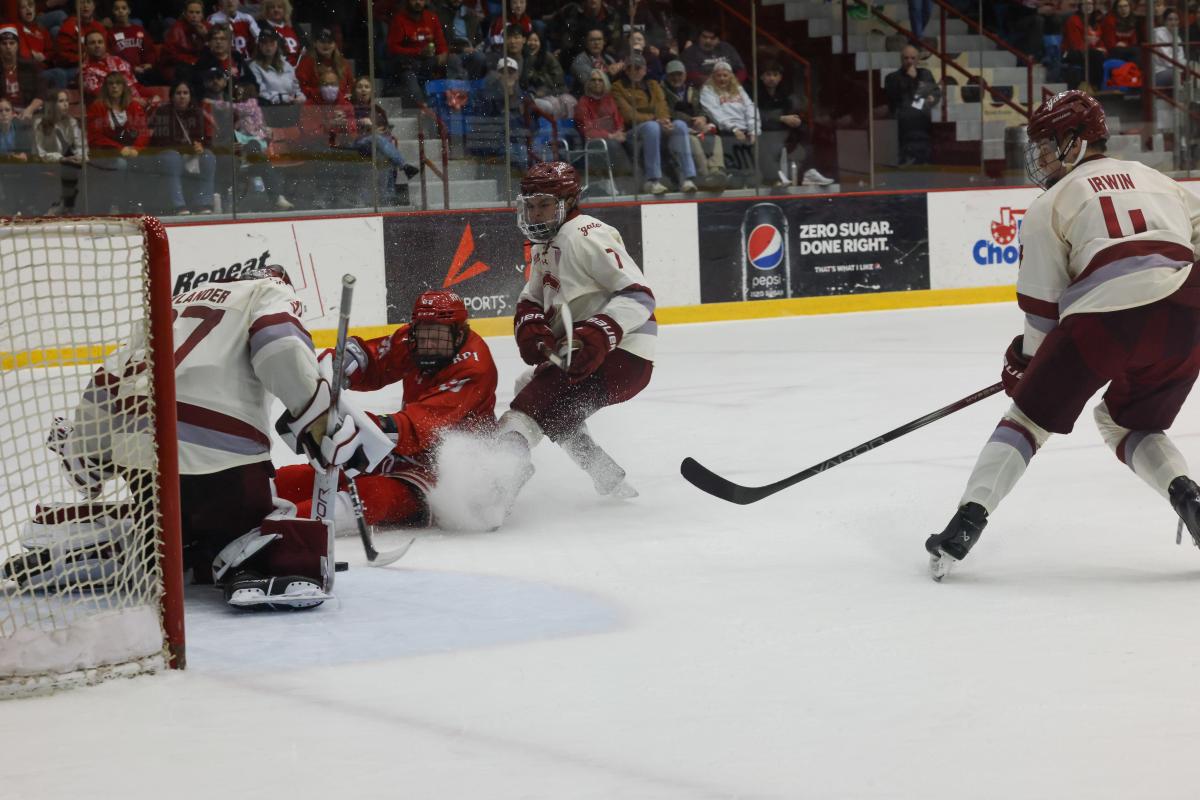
(974, 237)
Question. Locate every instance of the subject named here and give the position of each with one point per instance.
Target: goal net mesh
(80, 525)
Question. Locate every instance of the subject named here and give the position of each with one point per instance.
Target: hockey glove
(355, 361)
(358, 444)
(302, 432)
(1015, 362)
(595, 338)
(86, 470)
(534, 336)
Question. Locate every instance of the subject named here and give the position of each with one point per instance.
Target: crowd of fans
(157, 101)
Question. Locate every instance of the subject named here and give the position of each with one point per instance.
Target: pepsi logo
(764, 247)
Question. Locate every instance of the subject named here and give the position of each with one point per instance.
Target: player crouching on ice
(1111, 297)
(580, 271)
(236, 342)
(449, 381)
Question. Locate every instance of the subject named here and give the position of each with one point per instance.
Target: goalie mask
(438, 330)
(549, 193)
(1064, 123)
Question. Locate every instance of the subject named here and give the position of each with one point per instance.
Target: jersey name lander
(1110, 235)
(587, 267)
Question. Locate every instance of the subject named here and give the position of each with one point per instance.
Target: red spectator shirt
(306, 74)
(460, 395)
(12, 87)
(292, 45)
(183, 44)
(598, 118)
(33, 38)
(409, 37)
(1112, 36)
(67, 45)
(1075, 37)
(93, 73)
(104, 130)
(131, 43)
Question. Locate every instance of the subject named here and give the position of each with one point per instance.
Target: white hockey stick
(325, 485)
(559, 360)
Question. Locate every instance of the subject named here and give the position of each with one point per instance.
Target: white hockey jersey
(587, 267)
(1110, 235)
(236, 344)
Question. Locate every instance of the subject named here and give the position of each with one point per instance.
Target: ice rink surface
(676, 646)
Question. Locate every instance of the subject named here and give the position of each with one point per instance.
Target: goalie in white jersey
(1111, 297)
(237, 342)
(584, 287)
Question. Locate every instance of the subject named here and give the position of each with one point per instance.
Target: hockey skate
(608, 477)
(1185, 499)
(952, 545)
(249, 590)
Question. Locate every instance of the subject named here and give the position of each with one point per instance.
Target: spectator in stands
(464, 36)
(1082, 46)
(418, 50)
(277, 16)
(911, 95)
(327, 129)
(183, 131)
(219, 54)
(1119, 32)
(324, 53)
(635, 42)
(594, 56)
(498, 32)
(22, 82)
(35, 41)
(598, 119)
(545, 81)
(16, 146)
(572, 24)
(655, 19)
(501, 90)
(1028, 22)
(726, 103)
(276, 79)
(1170, 45)
(707, 50)
(644, 108)
(373, 129)
(58, 141)
(244, 27)
(253, 139)
(514, 48)
(184, 43)
(782, 130)
(708, 154)
(130, 42)
(918, 16)
(117, 134)
(97, 63)
(69, 42)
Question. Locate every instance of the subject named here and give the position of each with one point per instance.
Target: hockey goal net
(90, 563)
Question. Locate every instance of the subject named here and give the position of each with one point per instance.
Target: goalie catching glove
(86, 470)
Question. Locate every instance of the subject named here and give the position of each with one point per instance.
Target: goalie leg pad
(77, 546)
(239, 551)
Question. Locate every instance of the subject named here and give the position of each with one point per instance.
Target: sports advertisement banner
(774, 248)
(316, 253)
(976, 239)
(481, 256)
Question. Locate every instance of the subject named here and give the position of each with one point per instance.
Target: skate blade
(939, 565)
(623, 491)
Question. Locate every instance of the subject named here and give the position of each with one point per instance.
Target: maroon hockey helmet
(438, 330)
(1055, 127)
(255, 273)
(557, 178)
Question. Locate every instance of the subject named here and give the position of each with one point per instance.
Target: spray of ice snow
(475, 479)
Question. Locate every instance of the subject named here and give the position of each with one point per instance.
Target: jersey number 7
(209, 318)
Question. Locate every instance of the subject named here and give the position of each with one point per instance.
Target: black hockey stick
(374, 557)
(706, 480)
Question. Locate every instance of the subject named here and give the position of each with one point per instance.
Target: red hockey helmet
(438, 329)
(555, 179)
(1055, 127)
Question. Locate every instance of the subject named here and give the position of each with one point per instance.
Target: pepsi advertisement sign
(767, 249)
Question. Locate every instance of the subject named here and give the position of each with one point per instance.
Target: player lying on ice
(1111, 297)
(236, 343)
(449, 382)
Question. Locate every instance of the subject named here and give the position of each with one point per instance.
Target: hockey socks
(1003, 459)
(1151, 455)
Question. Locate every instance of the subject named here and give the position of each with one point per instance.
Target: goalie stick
(706, 480)
(374, 557)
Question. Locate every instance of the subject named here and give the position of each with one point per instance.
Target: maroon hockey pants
(560, 407)
(219, 507)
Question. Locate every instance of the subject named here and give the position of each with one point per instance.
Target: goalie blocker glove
(303, 432)
(359, 443)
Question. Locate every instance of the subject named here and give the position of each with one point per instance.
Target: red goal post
(91, 568)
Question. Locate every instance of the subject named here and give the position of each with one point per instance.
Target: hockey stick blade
(389, 557)
(708, 481)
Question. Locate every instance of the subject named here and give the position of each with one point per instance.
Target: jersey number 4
(209, 318)
(1136, 217)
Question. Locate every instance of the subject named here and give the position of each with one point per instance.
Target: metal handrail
(947, 61)
(808, 98)
(1024, 57)
(444, 172)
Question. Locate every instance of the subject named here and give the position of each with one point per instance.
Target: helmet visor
(433, 343)
(1043, 161)
(539, 216)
